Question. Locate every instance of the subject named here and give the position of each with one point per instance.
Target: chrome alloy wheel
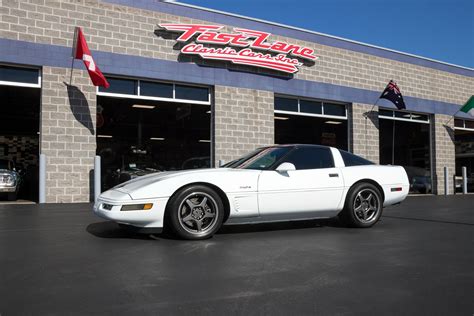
(197, 213)
(366, 205)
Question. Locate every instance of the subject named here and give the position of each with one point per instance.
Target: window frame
(463, 128)
(410, 119)
(142, 97)
(345, 117)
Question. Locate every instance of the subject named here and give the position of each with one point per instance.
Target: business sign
(242, 47)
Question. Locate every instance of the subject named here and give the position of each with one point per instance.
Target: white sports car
(276, 183)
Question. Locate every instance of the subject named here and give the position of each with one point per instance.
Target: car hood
(164, 184)
(140, 182)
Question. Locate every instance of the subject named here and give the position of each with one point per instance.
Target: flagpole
(452, 117)
(73, 52)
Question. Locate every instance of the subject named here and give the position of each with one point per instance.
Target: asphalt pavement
(418, 260)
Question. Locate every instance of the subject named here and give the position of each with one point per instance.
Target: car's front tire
(195, 212)
(363, 206)
(12, 196)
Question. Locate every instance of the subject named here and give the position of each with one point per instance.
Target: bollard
(97, 184)
(446, 180)
(464, 180)
(42, 179)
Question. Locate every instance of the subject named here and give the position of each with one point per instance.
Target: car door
(313, 189)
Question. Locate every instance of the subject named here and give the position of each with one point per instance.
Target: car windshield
(4, 164)
(260, 159)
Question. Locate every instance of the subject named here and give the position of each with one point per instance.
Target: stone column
(243, 121)
(364, 132)
(443, 152)
(68, 116)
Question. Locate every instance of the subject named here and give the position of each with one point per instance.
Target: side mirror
(285, 167)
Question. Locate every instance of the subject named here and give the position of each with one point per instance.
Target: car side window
(353, 160)
(310, 158)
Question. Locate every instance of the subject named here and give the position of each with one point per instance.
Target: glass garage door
(146, 126)
(305, 121)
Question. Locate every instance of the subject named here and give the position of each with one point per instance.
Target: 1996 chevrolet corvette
(276, 183)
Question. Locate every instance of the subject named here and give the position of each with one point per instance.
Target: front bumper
(7, 189)
(110, 209)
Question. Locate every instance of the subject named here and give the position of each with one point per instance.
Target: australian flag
(393, 94)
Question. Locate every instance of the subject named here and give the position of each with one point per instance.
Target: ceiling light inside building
(281, 118)
(333, 122)
(204, 141)
(105, 136)
(144, 106)
(157, 138)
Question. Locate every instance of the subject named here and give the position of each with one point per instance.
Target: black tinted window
(15, 74)
(156, 89)
(285, 104)
(192, 93)
(310, 158)
(353, 160)
(122, 86)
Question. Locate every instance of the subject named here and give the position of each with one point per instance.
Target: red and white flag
(81, 51)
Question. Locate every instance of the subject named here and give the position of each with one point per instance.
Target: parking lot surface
(418, 260)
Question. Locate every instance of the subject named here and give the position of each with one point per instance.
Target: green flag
(469, 106)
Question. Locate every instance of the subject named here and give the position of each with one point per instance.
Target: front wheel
(363, 206)
(195, 212)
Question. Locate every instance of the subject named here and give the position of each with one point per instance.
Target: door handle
(333, 175)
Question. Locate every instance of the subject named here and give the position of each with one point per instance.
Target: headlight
(9, 179)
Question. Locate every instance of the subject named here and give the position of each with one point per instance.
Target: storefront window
(405, 141)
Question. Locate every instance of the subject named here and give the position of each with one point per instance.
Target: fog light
(137, 207)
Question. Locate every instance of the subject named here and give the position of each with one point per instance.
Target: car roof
(299, 145)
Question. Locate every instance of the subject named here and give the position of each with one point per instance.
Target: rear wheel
(363, 206)
(195, 212)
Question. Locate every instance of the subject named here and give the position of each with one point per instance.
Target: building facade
(167, 109)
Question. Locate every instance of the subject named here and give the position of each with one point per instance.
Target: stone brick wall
(68, 134)
(364, 131)
(127, 30)
(443, 152)
(243, 120)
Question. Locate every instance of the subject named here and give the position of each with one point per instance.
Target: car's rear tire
(363, 206)
(195, 212)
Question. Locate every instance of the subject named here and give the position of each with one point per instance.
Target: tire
(194, 213)
(363, 206)
(12, 196)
